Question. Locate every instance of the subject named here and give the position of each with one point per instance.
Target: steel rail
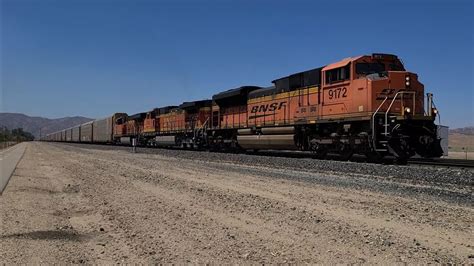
(443, 162)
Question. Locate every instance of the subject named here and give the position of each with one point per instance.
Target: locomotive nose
(403, 79)
(407, 80)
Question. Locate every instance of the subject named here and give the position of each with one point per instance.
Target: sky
(93, 58)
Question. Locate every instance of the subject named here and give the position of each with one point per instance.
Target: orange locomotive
(127, 128)
(182, 126)
(367, 105)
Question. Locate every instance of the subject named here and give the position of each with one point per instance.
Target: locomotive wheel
(345, 152)
(321, 154)
(319, 151)
(403, 151)
(401, 160)
(374, 157)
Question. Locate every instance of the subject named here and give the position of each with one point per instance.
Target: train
(368, 105)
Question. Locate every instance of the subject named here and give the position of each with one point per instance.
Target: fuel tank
(245, 131)
(165, 140)
(267, 142)
(126, 140)
(278, 130)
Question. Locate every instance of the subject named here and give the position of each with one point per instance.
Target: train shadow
(46, 235)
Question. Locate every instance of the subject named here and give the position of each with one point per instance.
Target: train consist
(367, 105)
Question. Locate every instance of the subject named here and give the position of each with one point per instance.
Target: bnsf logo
(268, 107)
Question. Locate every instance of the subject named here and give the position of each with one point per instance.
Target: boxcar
(76, 134)
(103, 130)
(87, 132)
(68, 134)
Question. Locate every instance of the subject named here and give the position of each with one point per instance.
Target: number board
(337, 93)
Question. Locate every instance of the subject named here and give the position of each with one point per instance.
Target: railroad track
(443, 162)
(458, 163)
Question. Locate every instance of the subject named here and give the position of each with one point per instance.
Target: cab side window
(338, 74)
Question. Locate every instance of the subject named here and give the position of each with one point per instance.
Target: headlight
(407, 83)
(407, 78)
(435, 111)
(407, 110)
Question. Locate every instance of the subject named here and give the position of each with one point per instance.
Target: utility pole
(134, 145)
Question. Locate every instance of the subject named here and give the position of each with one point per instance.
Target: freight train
(368, 105)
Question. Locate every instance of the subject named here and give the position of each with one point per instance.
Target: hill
(464, 131)
(35, 124)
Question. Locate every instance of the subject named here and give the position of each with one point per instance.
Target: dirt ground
(461, 146)
(460, 155)
(461, 142)
(84, 205)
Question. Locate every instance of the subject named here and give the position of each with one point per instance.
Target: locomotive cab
(355, 85)
(378, 87)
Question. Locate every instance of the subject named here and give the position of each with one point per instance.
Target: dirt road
(75, 204)
(9, 158)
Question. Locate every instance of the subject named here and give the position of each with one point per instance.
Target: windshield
(396, 67)
(369, 68)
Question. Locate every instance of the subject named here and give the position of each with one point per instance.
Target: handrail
(413, 93)
(201, 127)
(393, 101)
(373, 121)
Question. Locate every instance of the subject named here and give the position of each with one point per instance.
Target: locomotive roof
(137, 116)
(240, 91)
(263, 92)
(341, 63)
(302, 73)
(163, 110)
(196, 104)
(346, 61)
(306, 78)
(235, 96)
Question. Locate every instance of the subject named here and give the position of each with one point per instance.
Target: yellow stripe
(284, 95)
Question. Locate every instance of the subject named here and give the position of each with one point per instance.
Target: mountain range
(464, 130)
(39, 125)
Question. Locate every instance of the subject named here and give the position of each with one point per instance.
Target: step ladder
(381, 145)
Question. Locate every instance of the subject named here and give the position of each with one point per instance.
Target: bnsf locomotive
(367, 105)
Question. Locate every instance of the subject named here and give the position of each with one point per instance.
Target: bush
(16, 134)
